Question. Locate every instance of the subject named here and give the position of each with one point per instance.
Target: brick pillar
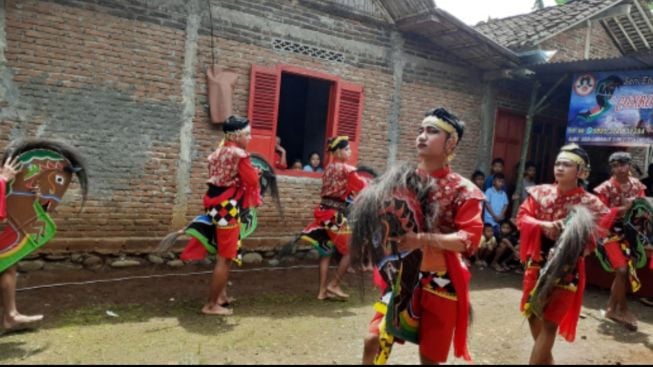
(188, 112)
(398, 62)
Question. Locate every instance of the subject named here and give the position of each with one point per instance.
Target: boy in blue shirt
(496, 203)
(497, 167)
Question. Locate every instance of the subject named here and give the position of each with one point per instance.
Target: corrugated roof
(449, 33)
(626, 62)
(527, 30)
(632, 32)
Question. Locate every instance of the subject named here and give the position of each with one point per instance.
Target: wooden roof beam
(621, 28)
(414, 21)
(616, 40)
(639, 33)
(644, 15)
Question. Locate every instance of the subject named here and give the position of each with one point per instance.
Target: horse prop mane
(578, 229)
(394, 204)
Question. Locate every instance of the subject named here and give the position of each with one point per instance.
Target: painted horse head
(47, 168)
(391, 206)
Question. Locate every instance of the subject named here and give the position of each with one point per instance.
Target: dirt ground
(277, 320)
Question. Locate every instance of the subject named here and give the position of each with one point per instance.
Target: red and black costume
(233, 186)
(444, 293)
(438, 310)
(547, 203)
(616, 247)
(340, 181)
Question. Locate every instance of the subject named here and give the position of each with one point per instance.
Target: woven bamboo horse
(47, 168)
(394, 204)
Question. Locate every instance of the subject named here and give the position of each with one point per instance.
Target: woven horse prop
(202, 226)
(394, 204)
(637, 230)
(579, 226)
(46, 170)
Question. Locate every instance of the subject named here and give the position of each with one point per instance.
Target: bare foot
(326, 296)
(19, 321)
(226, 302)
(216, 310)
(629, 323)
(336, 291)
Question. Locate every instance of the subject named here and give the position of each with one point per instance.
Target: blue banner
(611, 108)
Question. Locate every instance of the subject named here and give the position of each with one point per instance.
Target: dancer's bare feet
(18, 321)
(216, 310)
(226, 302)
(630, 321)
(626, 319)
(336, 291)
(326, 296)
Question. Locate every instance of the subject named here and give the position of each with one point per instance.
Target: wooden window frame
(346, 101)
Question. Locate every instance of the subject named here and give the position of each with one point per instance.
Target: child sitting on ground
(507, 254)
(487, 246)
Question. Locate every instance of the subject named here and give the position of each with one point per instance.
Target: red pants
(616, 256)
(559, 303)
(436, 326)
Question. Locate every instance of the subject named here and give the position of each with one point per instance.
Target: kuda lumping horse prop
(203, 226)
(634, 233)
(394, 204)
(562, 258)
(46, 170)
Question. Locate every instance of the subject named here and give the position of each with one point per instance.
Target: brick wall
(571, 44)
(109, 85)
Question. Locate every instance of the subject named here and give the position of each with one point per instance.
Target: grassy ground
(277, 320)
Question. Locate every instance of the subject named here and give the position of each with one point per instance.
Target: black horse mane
(77, 163)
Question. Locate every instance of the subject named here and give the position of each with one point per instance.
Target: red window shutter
(349, 110)
(263, 109)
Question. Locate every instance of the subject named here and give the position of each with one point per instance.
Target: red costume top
(459, 208)
(230, 167)
(340, 180)
(614, 194)
(547, 203)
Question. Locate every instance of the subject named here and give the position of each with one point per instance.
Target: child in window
(297, 165)
(314, 163)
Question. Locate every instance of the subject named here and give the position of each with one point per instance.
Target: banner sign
(611, 108)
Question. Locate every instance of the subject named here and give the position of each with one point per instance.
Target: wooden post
(524, 148)
(488, 117)
(533, 109)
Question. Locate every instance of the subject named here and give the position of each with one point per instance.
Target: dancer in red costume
(440, 297)
(233, 187)
(330, 230)
(541, 220)
(619, 192)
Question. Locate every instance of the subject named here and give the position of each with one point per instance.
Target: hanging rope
(211, 25)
